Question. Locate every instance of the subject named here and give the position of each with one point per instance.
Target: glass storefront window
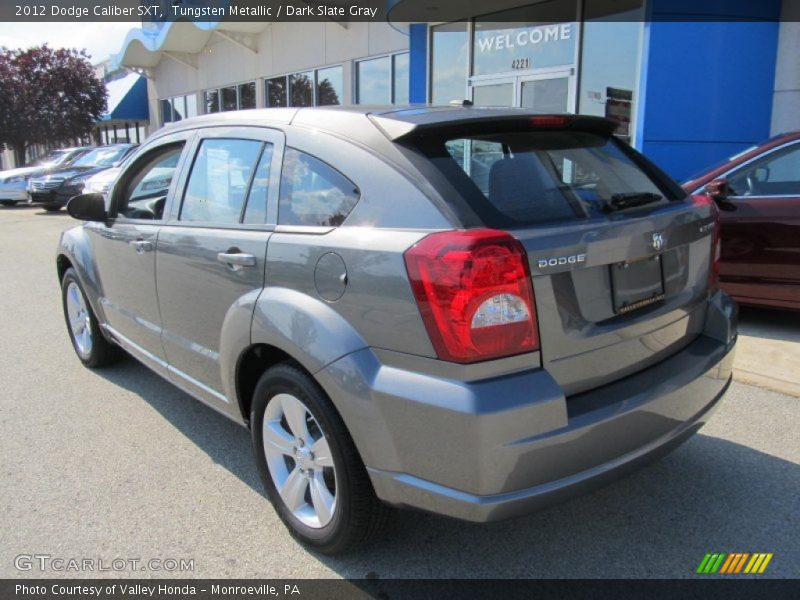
(166, 111)
(191, 105)
(609, 64)
(374, 81)
(276, 92)
(401, 78)
(330, 86)
(449, 55)
(228, 95)
(211, 101)
(382, 80)
(247, 95)
(531, 37)
(301, 86)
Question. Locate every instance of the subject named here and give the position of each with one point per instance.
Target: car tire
(9, 202)
(51, 207)
(89, 343)
(304, 505)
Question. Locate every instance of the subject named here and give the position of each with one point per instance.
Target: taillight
(716, 239)
(474, 292)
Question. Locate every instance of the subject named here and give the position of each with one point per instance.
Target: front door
(761, 237)
(550, 92)
(125, 250)
(212, 250)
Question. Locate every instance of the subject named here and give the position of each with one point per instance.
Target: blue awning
(127, 99)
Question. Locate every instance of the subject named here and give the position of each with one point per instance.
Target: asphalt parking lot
(120, 464)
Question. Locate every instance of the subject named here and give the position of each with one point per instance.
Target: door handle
(142, 246)
(237, 260)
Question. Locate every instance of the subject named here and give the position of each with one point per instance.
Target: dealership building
(690, 82)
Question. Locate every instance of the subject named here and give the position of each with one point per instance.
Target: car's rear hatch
(619, 257)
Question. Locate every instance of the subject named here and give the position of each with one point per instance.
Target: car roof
(394, 121)
(709, 173)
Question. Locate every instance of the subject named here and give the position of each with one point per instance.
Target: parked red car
(758, 192)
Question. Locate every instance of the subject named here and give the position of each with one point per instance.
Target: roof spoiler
(399, 126)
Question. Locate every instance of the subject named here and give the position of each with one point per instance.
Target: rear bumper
(497, 448)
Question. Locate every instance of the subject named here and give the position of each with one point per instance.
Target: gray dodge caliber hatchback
(473, 312)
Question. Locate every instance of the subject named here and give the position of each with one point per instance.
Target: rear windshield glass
(525, 178)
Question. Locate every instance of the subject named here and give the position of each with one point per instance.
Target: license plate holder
(636, 284)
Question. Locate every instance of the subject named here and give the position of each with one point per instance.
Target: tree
(47, 97)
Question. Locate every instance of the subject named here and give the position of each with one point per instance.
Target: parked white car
(14, 182)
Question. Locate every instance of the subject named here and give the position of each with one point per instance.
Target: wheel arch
(280, 325)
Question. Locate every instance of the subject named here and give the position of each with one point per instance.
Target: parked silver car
(473, 312)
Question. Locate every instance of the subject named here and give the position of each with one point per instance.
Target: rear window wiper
(625, 200)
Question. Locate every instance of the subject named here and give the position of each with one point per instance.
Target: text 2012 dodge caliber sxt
(472, 312)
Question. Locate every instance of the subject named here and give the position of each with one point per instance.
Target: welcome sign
(498, 49)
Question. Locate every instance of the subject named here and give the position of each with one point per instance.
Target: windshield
(523, 178)
(101, 157)
(51, 158)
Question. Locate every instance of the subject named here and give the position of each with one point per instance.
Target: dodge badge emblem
(658, 241)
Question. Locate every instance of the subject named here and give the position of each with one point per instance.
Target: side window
(256, 211)
(775, 175)
(146, 191)
(219, 180)
(313, 193)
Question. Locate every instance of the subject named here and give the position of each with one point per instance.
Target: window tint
(777, 174)
(218, 183)
(302, 88)
(313, 193)
(276, 92)
(247, 95)
(257, 199)
(146, 190)
(329, 86)
(517, 179)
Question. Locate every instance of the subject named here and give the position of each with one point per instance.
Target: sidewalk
(768, 350)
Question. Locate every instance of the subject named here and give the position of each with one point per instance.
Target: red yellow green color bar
(736, 562)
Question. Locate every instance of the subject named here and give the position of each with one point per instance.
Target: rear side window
(219, 180)
(313, 192)
(525, 178)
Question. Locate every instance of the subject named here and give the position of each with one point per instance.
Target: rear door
(212, 249)
(619, 256)
(761, 237)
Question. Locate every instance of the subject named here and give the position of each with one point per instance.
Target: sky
(99, 39)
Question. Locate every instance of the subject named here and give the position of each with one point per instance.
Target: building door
(551, 92)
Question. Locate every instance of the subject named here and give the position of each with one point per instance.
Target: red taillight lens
(474, 291)
(716, 239)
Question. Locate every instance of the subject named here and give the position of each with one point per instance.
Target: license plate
(636, 284)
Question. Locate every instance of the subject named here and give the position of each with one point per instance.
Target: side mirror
(719, 191)
(88, 207)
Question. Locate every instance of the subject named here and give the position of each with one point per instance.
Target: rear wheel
(309, 465)
(9, 202)
(92, 348)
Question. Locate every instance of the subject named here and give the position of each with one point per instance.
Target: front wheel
(92, 348)
(51, 207)
(309, 465)
(9, 202)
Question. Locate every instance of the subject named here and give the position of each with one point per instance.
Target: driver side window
(775, 175)
(146, 191)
